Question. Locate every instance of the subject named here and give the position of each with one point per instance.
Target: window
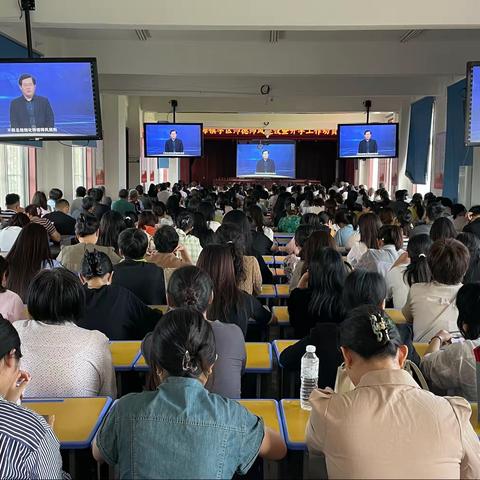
(14, 172)
(79, 163)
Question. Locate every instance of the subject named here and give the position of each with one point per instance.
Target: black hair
(87, 224)
(263, 151)
(435, 210)
(130, 219)
(391, 235)
(368, 331)
(88, 202)
(326, 277)
(24, 76)
(139, 189)
(96, 193)
(230, 234)
(364, 288)
(182, 344)
(18, 220)
(133, 243)
(191, 288)
(184, 220)
(442, 228)
(123, 193)
(207, 209)
(312, 219)
(3, 272)
(367, 131)
(55, 194)
(11, 199)
(240, 220)
(302, 233)
(201, 230)
(80, 192)
(468, 304)
(56, 296)
(110, 227)
(171, 131)
(475, 210)
(95, 264)
(472, 242)
(418, 270)
(166, 239)
(9, 339)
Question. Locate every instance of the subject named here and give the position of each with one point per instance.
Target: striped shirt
(46, 223)
(28, 447)
(6, 215)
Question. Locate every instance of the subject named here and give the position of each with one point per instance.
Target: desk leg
(118, 376)
(72, 467)
(258, 386)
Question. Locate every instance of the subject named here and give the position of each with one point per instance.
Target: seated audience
(368, 227)
(39, 199)
(86, 230)
(207, 209)
(62, 221)
(184, 227)
(12, 204)
(191, 288)
(201, 230)
(11, 305)
(122, 205)
(33, 213)
(381, 259)
(54, 195)
(160, 212)
(182, 355)
(10, 232)
(99, 209)
(459, 215)
(262, 236)
(64, 359)
(345, 228)
(387, 401)
(411, 267)
(247, 269)
(317, 297)
(76, 205)
(230, 304)
(30, 449)
(110, 227)
(442, 228)
(145, 280)
(302, 234)
(112, 309)
(450, 368)
(431, 306)
(473, 225)
(434, 211)
(472, 242)
(361, 288)
(135, 203)
(290, 222)
(144, 199)
(29, 254)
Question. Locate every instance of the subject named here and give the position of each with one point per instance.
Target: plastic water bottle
(308, 376)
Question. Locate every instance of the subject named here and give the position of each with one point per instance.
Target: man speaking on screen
(265, 165)
(367, 145)
(173, 144)
(30, 110)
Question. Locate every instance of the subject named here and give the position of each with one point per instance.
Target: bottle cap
(311, 348)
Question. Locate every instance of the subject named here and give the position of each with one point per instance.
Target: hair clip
(380, 327)
(422, 255)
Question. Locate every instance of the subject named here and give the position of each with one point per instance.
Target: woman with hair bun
(386, 412)
(112, 309)
(180, 430)
(87, 232)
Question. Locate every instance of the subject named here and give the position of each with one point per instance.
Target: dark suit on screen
(174, 146)
(42, 113)
(267, 166)
(368, 147)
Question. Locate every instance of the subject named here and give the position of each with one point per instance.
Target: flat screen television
(173, 139)
(49, 99)
(472, 117)
(266, 159)
(372, 140)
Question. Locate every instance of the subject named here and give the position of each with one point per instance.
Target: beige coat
(388, 427)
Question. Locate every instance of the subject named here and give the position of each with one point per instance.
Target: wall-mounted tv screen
(472, 124)
(266, 159)
(49, 99)
(372, 140)
(173, 139)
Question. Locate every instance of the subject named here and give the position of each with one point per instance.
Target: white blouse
(65, 360)
(397, 287)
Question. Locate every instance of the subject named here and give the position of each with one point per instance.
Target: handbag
(343, 383)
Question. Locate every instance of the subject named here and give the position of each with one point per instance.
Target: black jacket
(65, 224)
(145, 280)
(364, 147)
(170, 147)
(473, 227)
(265, 166)
(43, 113)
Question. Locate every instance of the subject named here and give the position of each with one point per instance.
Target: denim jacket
(180, 431)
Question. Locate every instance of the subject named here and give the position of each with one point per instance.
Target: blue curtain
(419, 140)
(456, 153)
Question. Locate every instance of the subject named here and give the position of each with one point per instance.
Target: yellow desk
(124, 354)
(267, 410)
(283, 235)
(76, 419)
(474, 418)
(396, 315)
(280, 345)
(282, 315)
(268, 291)
(279, 259)
(162, 308)
(259, 357)
(283, 291)
(294, 421)
(268, 259)
(421, 348)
